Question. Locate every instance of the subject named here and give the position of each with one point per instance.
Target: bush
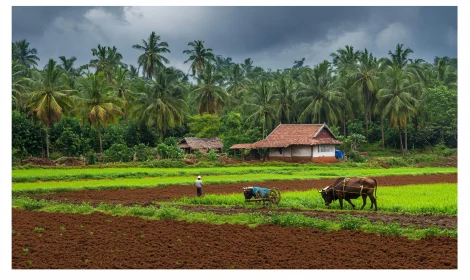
(169, 152)
(164, 163)
(143, 152)
(118, 153)
(212, 155)
(91, 158)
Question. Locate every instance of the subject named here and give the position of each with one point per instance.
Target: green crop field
(271, 174)
(31, 175)
(413, 199)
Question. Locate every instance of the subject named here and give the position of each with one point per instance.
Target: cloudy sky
(273, 37)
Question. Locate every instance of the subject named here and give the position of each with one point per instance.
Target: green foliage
(169, 151)
(351, 223)
(205, 126)
(212, 155)
(118, 153)
(143, 152)
(26, 136)
(164, 163)
(29, 204)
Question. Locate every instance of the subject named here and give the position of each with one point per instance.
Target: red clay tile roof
(295, 134)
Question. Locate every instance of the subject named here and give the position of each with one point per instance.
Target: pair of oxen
(351, 188)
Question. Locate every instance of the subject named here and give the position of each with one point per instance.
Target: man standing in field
(199, 186)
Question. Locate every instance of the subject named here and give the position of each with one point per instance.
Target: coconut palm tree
(261, 106)
(133, 72)
(23, 54)
(363, 75)
(19, 86)
(106, 61)
(247, 65)
(237, 84)
(285, 92)
(345, 58)
(152, 58)
(209, 95)
(199, 56)
(50, 97)
(97, 105)
(162, 105)
(318, 96)
(396, 99)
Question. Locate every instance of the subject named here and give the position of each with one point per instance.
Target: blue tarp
(264, 191)
(339, 154)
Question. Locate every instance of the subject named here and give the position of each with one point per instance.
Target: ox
(351, 188)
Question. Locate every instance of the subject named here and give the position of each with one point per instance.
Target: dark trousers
(199, 191)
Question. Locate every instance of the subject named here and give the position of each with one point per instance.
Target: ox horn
(319, 191)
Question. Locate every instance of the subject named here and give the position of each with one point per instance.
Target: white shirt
(198, 183)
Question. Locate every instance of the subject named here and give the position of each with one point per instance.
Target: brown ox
(351, 188)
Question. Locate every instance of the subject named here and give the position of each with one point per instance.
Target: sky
(273, 37)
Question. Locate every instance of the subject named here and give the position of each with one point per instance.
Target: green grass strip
(250, 219)
(39, 187)
(32, 175)
(436, 199)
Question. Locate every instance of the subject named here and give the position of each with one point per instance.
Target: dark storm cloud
(30, 22)
(242, 29)
(272, 36)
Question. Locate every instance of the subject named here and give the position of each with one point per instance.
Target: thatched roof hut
(190, 144)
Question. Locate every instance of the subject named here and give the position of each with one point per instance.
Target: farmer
(199, 186)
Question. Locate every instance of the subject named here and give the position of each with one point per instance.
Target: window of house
(280, 150)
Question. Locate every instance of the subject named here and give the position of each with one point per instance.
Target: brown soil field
(145, 196)
(99, 241)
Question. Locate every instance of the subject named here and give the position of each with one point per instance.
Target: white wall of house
(301, 151)
(280, 152)
(324, 151)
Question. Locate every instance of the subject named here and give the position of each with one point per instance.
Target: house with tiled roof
(298, 143)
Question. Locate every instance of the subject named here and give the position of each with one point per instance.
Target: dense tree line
(72, 110)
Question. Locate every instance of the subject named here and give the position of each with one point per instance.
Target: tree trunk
(365, 111)
(383, 136)
(401, 141)
(344, 123)
(47, 141)
(406, 138)
(99, 134)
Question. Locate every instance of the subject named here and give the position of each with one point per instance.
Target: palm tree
(23, 54)
(199, 56)
(162, 104)
(262, 106)
(400, 61)
(133, 72)
(318, 96)
(285, 92)
(247, 65)
(152, 58)
(364, 76)
(237, 83)
(345, 58)
(210, 96)
(19, 85)
(67, 64)
(97, 104)
(50, 98)
(106, 61)
(396, 99)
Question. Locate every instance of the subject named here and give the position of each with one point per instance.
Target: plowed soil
(99, 241)
(145, 196)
